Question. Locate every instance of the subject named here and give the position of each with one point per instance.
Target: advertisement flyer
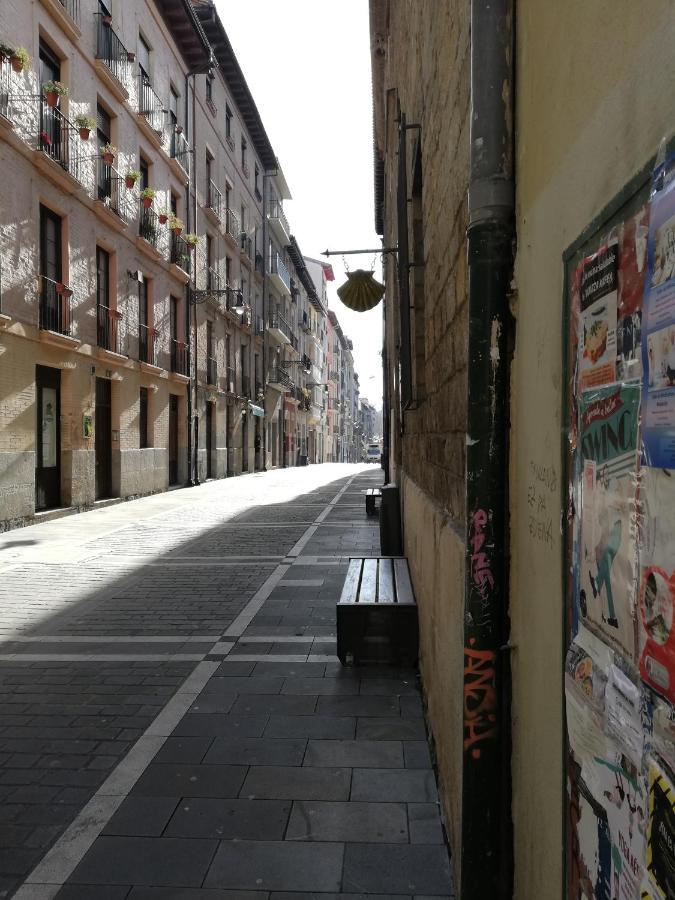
(658, 332)
(598, 312)
(656, 599)
(661, 833)
(632, 270)
(608, 432)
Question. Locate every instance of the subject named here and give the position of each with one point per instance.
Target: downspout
(188, 295)
(193, 272)
(265, 353)
(486, 857)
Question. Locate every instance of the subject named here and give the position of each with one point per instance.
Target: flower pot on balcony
(179, 129)
(163, 218)
(84, 133)
(147, 202)
(52, 98)
(130, 182)
(17, 64)
(177, 230)
(131, 56)
(67, 291)
(59, 287)
(108, 158)
(107, 20)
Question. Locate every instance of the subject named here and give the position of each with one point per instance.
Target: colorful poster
(656, 598)
(661, 833)
(590, 854)
(632, 269)
(658, 327)
(608, 433)
(598, 309)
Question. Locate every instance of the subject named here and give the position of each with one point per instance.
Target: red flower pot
(60, 287)
(147, 202)
(108, 158)
(84, 134)
(177, 231)
(52, 98)
(163, 219)
(107, 20)
(130, 182)
(131, 56)
(192, 247)
(17, 65)
(67, 291)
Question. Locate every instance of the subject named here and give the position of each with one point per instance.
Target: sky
(307, 64)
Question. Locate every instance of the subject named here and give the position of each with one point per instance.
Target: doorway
(103, 439)
(48, 438)
(244, 443)
(209, 440)
(173, 439)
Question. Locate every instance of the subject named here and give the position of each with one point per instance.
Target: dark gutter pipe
(486, 863)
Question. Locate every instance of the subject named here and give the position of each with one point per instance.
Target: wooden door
(173, 439)
(103, 439)
(48, 438)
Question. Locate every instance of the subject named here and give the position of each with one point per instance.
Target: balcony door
(103, 439)
(209, 440)
(51, 302)
(173, 439)
(48, 438)
(144, 337)
(50, 121)
(102, 138)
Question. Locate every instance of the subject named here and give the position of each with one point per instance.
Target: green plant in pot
(131, 176)
(19, 59)
(52, 91)
(192, 240)
(164, 216)
(176, 225)
(108, 154)
(85, 125)
(147, 196)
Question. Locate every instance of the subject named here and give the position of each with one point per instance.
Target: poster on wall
(598, 313)
(658, 325)
(632, 270)
(661, 833)
(608, 435)
(656, 598)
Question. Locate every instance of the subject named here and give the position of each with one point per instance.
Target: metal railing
(278, 322)
(233, 298)
(213, 279)
(72, 7)
(211, 370)
(148, 225)
(232, 224)
(5, 84)
(109, 186)
(246, 245)
(59, 138)
(278, 267)
(275, 211)
(215, 199)
(245, 317)
(278, 376)
(180, 151)
(178, 356)
(149, 104)
(55, 309)
(304, 323)
(111, 50)
(180, 254)
(147, 346)
(107, 331)
(306, 363)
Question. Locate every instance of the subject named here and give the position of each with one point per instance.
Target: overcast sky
(307, 64)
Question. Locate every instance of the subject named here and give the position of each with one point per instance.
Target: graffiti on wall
(480, 698)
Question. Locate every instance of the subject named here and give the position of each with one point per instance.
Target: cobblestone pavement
(175, 723)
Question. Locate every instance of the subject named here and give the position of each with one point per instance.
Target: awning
(256, 410)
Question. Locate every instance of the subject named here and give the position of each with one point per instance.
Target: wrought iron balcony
(232, 225)
(304, 323)
(107, 330)
(279, 327)
(55, 307)
(180, 253)
(149, 104)
(211, 370)
(180, 151)
(148, 226)
(215, 199)
(59, 139)
(147, 346)
(72, 7)
(246, 245)
(277, 377)
(213, 280)
(178, 357)
(5, 84)
(279, 273)
(111, 50)
(278, 221)
(109, 186)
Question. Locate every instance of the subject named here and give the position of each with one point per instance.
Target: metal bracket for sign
(199, 296)
(350, 252)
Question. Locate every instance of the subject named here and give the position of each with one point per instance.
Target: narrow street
(175, 723)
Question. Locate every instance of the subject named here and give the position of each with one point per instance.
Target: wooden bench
(377, 614)
(371, 496)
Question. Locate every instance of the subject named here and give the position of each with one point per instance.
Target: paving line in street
(284, 639)
(272, 657)
(101, 657)
(300, 582)
(116, 639)
(51, 873)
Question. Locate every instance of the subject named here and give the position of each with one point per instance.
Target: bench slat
(386, 593)
(404, 591)
(350, 591)
(368, 592)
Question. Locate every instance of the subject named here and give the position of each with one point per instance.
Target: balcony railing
(246, 245)
(111, 50)
(107, 331)
(148, 225)
(245, 386)
(278, 322)
(306, 363)
(109, 186)
(275, 211)
(215, 199)
(55, 309)
(278, 267)
(245, 318)
(259, 325)
(232, 224)
(59, 138)
(178, 357)
(304, 323)
(233, 299)
(147, 347)
(180, 253)
(211, 370)
(72, 7)
(5, 83)
(278, 376)
(180, 151)
(150, 105)
(213, 279)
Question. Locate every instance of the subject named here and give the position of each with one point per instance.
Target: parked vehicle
(373, 453)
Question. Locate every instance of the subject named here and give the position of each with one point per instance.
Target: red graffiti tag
(481, 572)
(480, 697)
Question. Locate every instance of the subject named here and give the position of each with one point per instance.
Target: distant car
(373, 453)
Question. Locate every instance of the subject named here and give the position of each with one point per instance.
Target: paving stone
(416, 755)
(18, 860)
(123, 860)
(384, 729)
(233, 669)
(256, 751)
(397, 868)
(140, 893)
(289, 705)
(367, 822)
(297, 783)
(424, 823)
(336, 727)
(378, 754)
(89, 891)
(399, 686)
(303, 670)
(320, 686)
(254, 684)
(193, 725)
(359, 706)
(220, 703)
(161, 780)
(277, 865)
(183, 749)
(293, 895)
(411, 707)
(410, 785)
(142, 817)
(259, 820)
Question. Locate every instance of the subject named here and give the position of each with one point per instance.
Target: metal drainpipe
(188, 304)
(193, 274)
(265, 353)
(486, 858)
